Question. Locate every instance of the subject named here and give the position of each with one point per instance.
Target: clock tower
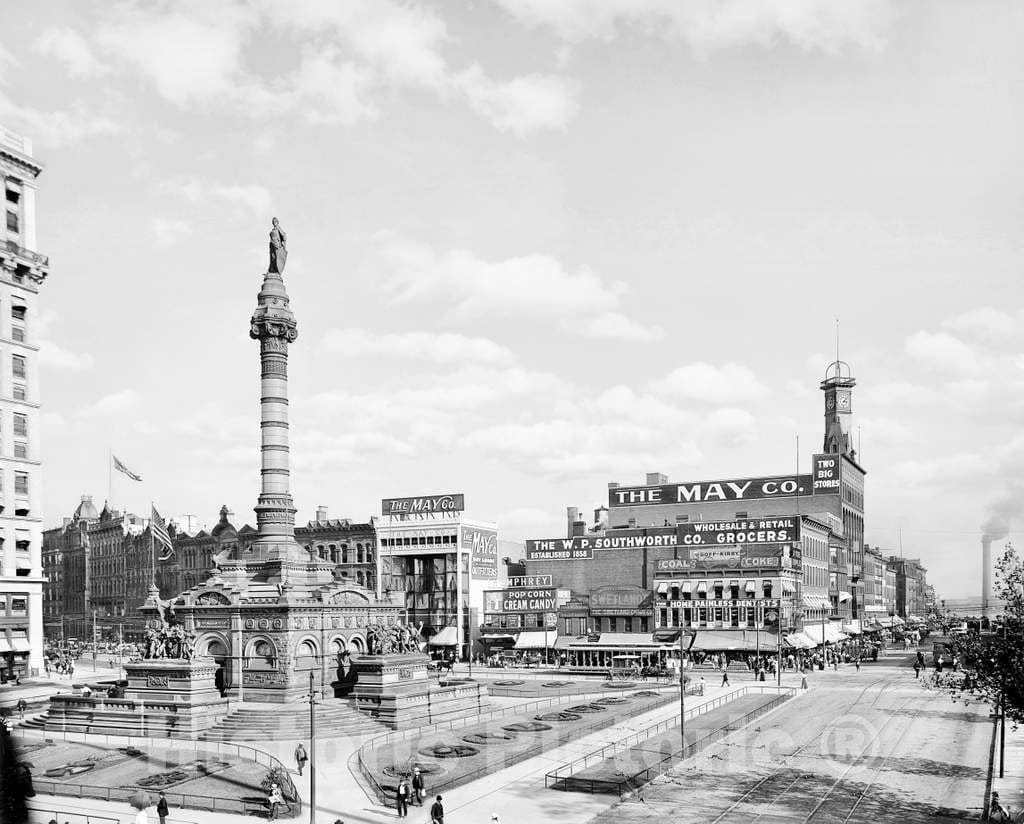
(838, 388)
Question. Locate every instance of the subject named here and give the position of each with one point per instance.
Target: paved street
(861, 747)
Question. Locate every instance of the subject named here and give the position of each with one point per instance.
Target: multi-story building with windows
(22, 271)
(911, 586)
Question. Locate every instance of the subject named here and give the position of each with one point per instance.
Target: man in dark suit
(437, 812)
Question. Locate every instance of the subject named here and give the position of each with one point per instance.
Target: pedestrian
(917, 670)
(161, 808)
(803, 681)
(702, 684)
(419, 791)
(21, 707)
(856, 663)
(402, 798)
(275, 801)
(996, 811)
(725, 678)
(437, 812)
(301, 757)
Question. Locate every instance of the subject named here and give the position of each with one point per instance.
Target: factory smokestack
(986, 573)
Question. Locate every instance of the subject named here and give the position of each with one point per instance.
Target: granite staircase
(335, 718)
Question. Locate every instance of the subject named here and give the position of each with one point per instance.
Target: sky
(534, 247)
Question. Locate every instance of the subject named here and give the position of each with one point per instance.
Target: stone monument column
(273, 325)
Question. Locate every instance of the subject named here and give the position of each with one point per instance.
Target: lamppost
(312, 749)
(683, 633)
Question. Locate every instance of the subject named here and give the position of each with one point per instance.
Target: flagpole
(152, 546)
(110, 476)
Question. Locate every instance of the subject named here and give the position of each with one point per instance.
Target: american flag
(160, 534)
(120, 467)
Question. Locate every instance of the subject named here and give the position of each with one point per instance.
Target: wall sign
(424, 504)
(742, 489)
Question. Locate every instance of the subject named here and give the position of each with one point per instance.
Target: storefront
(442, 562)
(605, 651)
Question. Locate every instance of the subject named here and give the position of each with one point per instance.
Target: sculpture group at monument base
(164, 699)
(396, 689)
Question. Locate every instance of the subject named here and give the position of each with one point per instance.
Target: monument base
(397, 690)
(164, 699)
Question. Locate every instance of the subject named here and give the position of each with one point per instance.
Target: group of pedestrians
(415, 793)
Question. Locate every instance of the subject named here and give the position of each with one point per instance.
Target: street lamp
(682, 692)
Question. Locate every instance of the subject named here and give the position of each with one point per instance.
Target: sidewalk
(1011, 786)
(37, 689)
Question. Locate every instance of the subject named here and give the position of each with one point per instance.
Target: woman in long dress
(278, 250)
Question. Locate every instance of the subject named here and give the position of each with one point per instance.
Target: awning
(20, 645)
(702, 586)
(896, 621)
(751, 586)
(687, 587)
(617, 640)
(876, 608)
(494, 639)
(447, 637)
(536, 640)
(663, 587)
(797, 640)
(832, 633)
(734, 583)
(815, 601)
(736, 639)
(844, 597)
(853, 628)
(4, 646)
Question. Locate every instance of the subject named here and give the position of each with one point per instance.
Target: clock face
(843, 401)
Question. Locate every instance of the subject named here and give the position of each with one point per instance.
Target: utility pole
(682, 695)
(94, 640)
(312, 749)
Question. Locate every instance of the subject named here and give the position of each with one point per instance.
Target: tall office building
(22, 270)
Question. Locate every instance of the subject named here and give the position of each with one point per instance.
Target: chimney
(656, 479)
(321, 514)
(986, 574)
(572, 514)
(601, 518)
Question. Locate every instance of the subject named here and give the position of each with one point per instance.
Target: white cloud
(707, 26)
(56, 357)
(523, 105)
(535, 287)
(189, 56)
(71, 49)
(445, 348)
(55, 129)
(340, 89)
(943, 352)
(702, 381)
(250, 198)
(168, 231)
(113, 404)
(987, 324)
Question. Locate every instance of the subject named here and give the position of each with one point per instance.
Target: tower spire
(274, 326)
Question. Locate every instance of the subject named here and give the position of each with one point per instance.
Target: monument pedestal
(398, 691)
(164, 699)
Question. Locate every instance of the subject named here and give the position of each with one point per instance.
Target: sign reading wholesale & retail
(483, 548)
(424, 505)
(742, 489)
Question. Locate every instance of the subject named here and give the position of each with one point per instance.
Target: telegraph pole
(312, 749)
(94, 640)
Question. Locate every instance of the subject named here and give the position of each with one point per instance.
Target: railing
(576, 731)
(84, 817)
(562, 778)
(40, 260)
(197, 748)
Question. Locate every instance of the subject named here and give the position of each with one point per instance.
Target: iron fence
(563, 777)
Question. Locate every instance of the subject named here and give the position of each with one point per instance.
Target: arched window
(216, 649)
(306, 656)
(359, 577)
(333, 555)
(344, 553)
(359, 553)
(263, 655)
(321, 552)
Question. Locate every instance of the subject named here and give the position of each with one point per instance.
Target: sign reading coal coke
(483, 548)
(424, 505)
(753, 557)
(826, 473)
(742, 489)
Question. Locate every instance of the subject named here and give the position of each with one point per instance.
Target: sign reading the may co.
(742, 489)
(424, 504)
(483, 547)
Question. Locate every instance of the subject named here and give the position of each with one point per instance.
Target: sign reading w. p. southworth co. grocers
(424, 504)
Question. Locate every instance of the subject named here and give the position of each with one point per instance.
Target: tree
(994, 663)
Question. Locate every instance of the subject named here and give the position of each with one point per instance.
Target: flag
(120, 467)
(160, 534)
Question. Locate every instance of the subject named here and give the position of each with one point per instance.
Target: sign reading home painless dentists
(742, 489)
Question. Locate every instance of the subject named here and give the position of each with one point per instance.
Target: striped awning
(447, 637)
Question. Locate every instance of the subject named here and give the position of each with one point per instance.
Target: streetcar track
(785, 762)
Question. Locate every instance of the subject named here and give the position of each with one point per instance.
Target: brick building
(911, 587)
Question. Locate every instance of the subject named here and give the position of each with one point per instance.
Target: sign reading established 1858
(742, 489)
(424, 504)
